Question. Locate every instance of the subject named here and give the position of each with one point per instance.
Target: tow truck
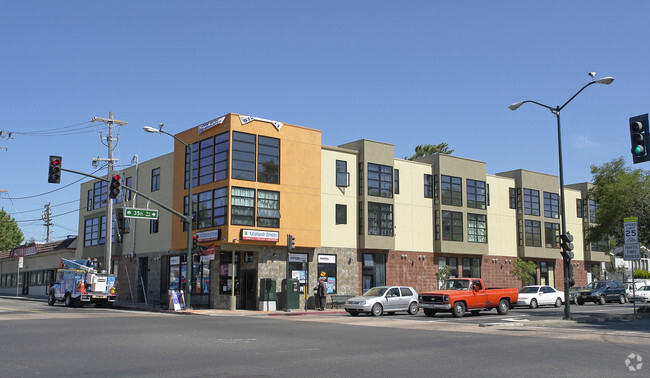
(80, 282)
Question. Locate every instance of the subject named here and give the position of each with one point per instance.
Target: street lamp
(556, 111)
(188, 216)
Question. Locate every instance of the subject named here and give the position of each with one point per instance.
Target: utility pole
(46, 219)
(109, 206)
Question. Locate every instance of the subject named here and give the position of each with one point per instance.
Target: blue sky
(406, 73)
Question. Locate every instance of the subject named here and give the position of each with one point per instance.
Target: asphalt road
(39, 340)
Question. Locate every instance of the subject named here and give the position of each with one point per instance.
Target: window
(361, 182)
(396, 178)
(600, 246)
(428, 186)
(95, 231)
(373, 270)
(513, 198)
(552, 235)
(380, 180)
(327, 271)
(206, 158)
(533, 233)
(226, 268)
(436, 190)
(220, 207)
(341, 214)
(476, 194)
(204, 211)
(185, 211)
(155, 179)
(100, 194)
(243, 206)
(89, 200)
(243, 156)
(380, 219)
(476, 228)
(153, 226)
(437, 225)
(452, 190)
(580, 209)
(452, 226)
(452, 263)
(268, 160)
(127, 193)
(360, 217)
(593, 207)
(195, 164)
(221, 145)
(268, 208)
(531, 201)
(342, 175)
(201, 275)
(551, 205)
(471, 267)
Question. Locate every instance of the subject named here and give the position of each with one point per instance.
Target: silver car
(382, 299)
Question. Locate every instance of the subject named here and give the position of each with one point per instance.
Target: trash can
(268, 295)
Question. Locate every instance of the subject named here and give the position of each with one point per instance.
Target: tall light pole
(556, 111)
(188, 216)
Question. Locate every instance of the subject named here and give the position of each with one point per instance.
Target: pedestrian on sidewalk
(322, 293)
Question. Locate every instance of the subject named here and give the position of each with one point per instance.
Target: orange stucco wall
(300, 164)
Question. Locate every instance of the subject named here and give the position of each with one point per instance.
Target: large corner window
(452, 226)
(100, 194)
(551, 205)
(221, 145)
(476, 228)
(268, 208)
(380, 180)
(220, 207)
(551, 235)
(243, 206)
(531, 202)
(268, 160)
(342, 174)
(243, 156)
(476, 194)
(380, 219)
(533, 233)
(452, 190)
(593, 206)
(204, 210)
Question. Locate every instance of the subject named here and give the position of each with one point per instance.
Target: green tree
(443, 273)
(524, 270)
(619, 192)
(430, 149)
(10, 235)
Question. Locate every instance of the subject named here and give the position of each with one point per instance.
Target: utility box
(293, 294)
(268, 295)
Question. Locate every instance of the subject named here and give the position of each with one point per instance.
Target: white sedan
(641, 295)
(538, 295)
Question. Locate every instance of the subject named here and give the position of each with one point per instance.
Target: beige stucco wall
(413, 213)
(332, 234)
(502, 221)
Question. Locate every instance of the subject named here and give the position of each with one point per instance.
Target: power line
(51, 191)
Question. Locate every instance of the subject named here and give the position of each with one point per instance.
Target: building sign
(248, 119)
(259, 235)
(208, 125)
(298, 257)
(174, 260)
(24, 251)
(327, 259)
(209, 235)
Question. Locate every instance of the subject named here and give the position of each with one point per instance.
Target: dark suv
(601, 292)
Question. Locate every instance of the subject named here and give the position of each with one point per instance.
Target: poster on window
(331, 285)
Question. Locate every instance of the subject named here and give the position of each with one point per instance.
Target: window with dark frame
(533, 233)
(551, 205)
(551, 235)
(242, 206)
(471, 267)
(593, 207)
(580, 208)
(155, 179)
(451, 189)
(342, 175)
(452, 226)
(243, 156)
(204, 210)
(185, 211)
(268, 208)
(220, 207)
(380, 180)
(153, 226)
(531, 202)
(341, 214)
(100, 194)
(476, 194)
(226, 268)
(428, 186)
(452, 263)
(477, 228)
(380, 219)
(268, 159)
(396, 178)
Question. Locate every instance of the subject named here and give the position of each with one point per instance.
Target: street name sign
(131, 212)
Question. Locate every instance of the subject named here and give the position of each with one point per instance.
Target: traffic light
(195, 242)
(114, 189)
(640, 138)
(291, 242)
(54, 173)
(572, 281)
(567, 245)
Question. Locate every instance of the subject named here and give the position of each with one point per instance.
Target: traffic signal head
(54, 173)
(567, 245)
(195, 242)
(291, 242)
(114, 189)
(640, 138)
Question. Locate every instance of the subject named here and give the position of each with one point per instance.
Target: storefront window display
(226, 272)
(298, 268)
(327, 270)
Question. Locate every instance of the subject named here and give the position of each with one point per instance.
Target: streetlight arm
(574, 96)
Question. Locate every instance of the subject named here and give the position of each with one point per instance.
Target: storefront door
(249, 289)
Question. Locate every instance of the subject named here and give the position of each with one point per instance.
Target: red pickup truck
(466, 294)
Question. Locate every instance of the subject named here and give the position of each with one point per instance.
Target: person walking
(322, 293)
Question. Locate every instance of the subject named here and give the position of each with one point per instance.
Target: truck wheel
(533, 303)
(602, 300)
(413, 308)
(429, 312)
(579, 301)
(68, 300)
(458, 310)
(503, 307)
(377, 310)
(558, 302)
(621, 299)
(51, 299)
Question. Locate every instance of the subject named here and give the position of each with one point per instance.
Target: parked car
(382, 299)
(637, 285)
(573, 293)
(641, 295)
(539, 295)
(602, 292)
